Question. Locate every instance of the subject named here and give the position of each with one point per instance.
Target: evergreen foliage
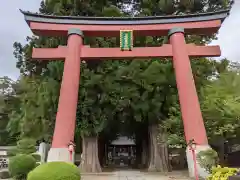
(55, 171)
(20, 165)
(208, 159)
(8, 103)
(24, 146)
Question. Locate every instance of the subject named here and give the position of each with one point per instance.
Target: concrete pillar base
(58, 154)
(201, 171)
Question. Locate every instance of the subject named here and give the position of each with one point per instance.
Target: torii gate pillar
(68, 99)
(190, 108)
(194, 128)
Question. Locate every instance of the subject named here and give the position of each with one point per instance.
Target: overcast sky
(13, 28)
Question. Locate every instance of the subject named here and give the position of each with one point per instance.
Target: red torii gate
(77, 27)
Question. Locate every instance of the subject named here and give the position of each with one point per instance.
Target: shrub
(24, 146)
(222, 173)
(12, 152)
(36, 156)
(208, 159)
(55, 171)
(20, 165)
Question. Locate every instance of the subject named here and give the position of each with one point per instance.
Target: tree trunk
(90, 161)
(144, 154)
(158, 160)
(182, 159)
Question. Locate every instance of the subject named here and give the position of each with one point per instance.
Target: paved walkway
(136, 175)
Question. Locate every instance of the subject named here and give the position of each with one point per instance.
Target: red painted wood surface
(190, 108)
(88, 53)
(204, 27)
(50, 53)
(67, 105)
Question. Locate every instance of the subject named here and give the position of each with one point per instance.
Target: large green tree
(220, 106)
(8, 103)
(38, 104)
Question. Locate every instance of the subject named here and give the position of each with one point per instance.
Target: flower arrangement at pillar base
(208, 160)
(222, 173)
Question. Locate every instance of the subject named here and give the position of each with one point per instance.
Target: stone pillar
(67, 106)
(43, 150)
(190, 109)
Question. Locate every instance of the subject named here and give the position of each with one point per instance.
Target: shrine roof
(85, 20)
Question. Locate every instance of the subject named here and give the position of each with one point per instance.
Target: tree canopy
(220, 106)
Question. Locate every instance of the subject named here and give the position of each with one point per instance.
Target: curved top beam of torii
(203, 23)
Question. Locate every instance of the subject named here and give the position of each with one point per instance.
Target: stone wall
(4, 161)
(3, 156)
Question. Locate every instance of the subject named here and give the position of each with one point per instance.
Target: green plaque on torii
(126, 40)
